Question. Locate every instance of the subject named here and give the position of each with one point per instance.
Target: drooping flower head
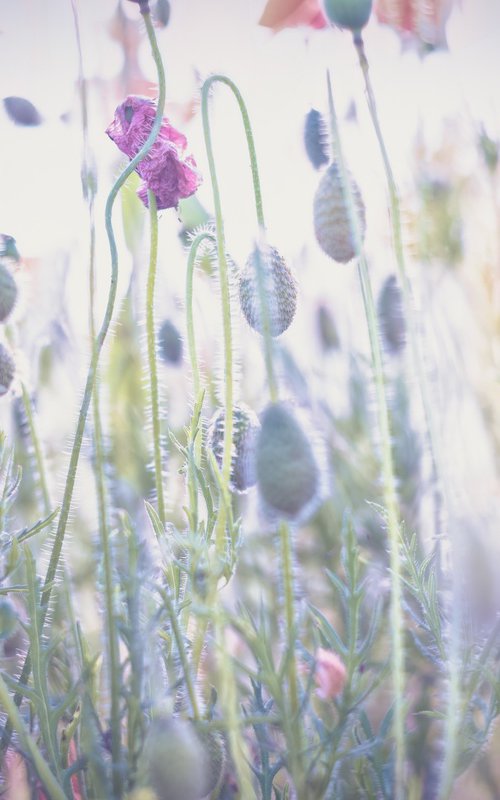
(166, 170)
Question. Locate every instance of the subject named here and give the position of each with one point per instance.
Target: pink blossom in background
(279, 14)
(330, 674)
(167, 171)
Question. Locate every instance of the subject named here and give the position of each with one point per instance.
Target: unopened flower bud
(316, 139)
(7, 370)
(330, 674)
(391, 316)
(22, 111)
(173, 760)
(288, 475)
(8, 292)
(8, 618)
(279, 291)
(351, 14)
(245, 430)
(332, 223)
(170, 343)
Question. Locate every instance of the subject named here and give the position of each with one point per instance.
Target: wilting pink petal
(279, 14)
(167, 171)
(425, 19)
(330, 674)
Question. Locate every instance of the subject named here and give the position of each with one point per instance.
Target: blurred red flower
(425, 19)
(279, 14)
(166, 170)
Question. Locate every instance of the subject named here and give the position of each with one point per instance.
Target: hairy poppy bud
(332, 224)
(245, 429)
(391, 316)
(316, 139)
(215, 759)
(7, 370)
(8, 292)
(8, 618)
(351, 14)
(288, 475)
(280, 291)
(170, 343)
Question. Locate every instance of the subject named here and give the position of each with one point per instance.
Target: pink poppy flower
(330, 675)
(279, 14)
(166, 170)
(425, 19)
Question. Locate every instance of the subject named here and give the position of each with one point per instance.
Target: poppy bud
(170, 343)
(7, 370)
(287, 471)
(391, 316)
(173, 760)
(22, 112)
(8, 618)
(351, 14)
(245, 429)
(280, 291)
(332, 224)
(316, 139)
(8, 292)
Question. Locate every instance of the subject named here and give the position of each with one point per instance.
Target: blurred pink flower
(330, 674)
(166, 170)
(279, 14)
(425, 19)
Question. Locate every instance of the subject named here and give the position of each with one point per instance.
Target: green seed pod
(7, 370)
(280, 291)
(173, 761)
(214, 749)
(170, 343)
(245, 430)
(287, 471)
(331, 218)
(8, 618)
(391, 316)
(351, 14)
(8, 292)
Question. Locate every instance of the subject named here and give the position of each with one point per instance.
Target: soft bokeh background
(433, 108)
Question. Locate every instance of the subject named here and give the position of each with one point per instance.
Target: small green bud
(8, 618)
(332, 223)
(173, 761)
(351, 14)
(8, 292)
(215, 759)
(170, 343)
(288, 475)
(245, 429)
(280, 291)
(7, 370)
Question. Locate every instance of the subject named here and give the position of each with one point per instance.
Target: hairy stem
(92, 371)
(389, 483)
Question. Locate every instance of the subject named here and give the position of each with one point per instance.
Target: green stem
(181, 649)
(99, 342)
(37, 450)
(42, 768)
(152, 361)
(294, 734)
(389, 483)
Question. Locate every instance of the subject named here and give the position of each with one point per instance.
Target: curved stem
(389, 483)
(152, 361)
(99, 342)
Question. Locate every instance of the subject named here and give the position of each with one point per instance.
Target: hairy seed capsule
(173, 761)
(287, 472)
(7, 370)
(316, 139)
(246, 426)
(8, 618)
(170, 343)
(214, 749)
(8, 292)
(351, 14)
(391, 316)
(331, 217)
(280, 291)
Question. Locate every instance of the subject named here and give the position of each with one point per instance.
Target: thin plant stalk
(387, 464)
(37, 451)
(152, 360)
(92, 372)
